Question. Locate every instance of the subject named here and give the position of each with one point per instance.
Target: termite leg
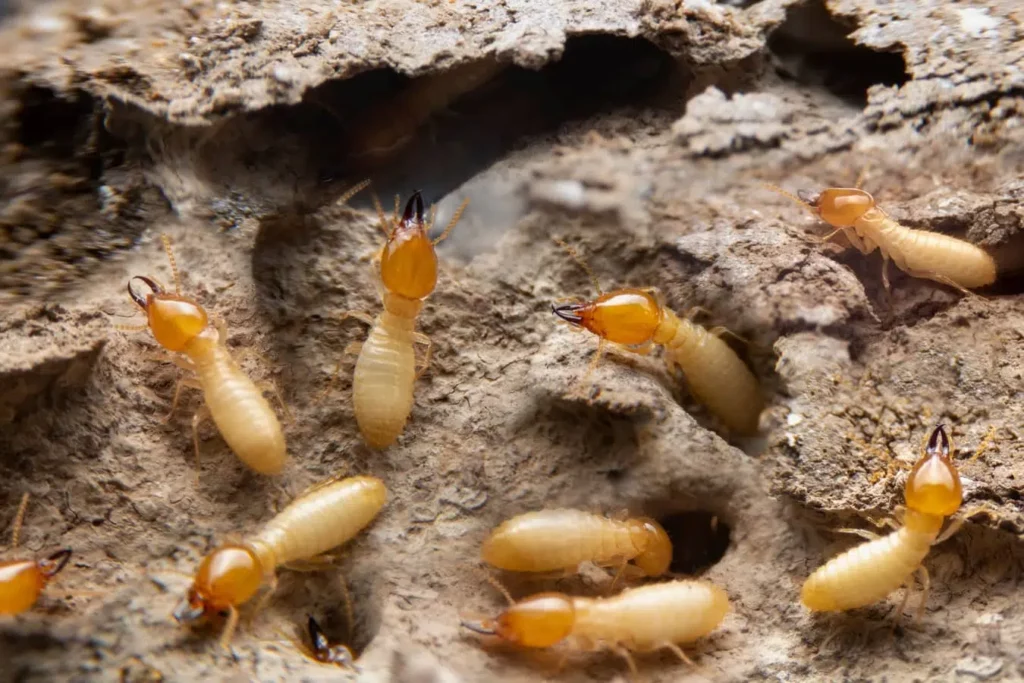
(362, 316)
(942, 280)
(863, 533)
(264, 599)
(926, 585)
(958, 523)
(229, 628)
(624, 653)
(677, 651)
(132, 328)
(885, 274)
(19, 519)
(182, 382)
(722, 330)
(200, 416)
(908, 586)
(420, 338)
(983, 446)
(268, 386)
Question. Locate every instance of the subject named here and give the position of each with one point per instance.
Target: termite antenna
(353, 191)
(138, 298)
(580, 262)
(174, 265)
(381, 218)
(455, 219)
(798, 199)
(19, 518)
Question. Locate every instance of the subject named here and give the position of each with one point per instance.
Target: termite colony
(667, 611)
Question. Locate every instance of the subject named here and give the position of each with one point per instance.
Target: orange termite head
(227, 577)
(21, 581)
(840, 207)
(174, 320)
(656, 556)
(933, 486)
(538, 621)
(625, 316)
(408, 266)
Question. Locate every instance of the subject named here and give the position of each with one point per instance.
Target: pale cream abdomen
(322, 520)
(385, 373)
(867, 573)
(717, 377)
(550, 540)
(933, 255)
(241, 413)
(647, 617)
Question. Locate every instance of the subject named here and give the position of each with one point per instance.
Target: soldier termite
(919, 253)
(637, 319)
(560, 540)
(22, 581)
(322, 519)
(386, 370)
(869, 572)
(236, 404)
(654, 617)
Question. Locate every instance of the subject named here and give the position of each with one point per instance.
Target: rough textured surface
(638, 131)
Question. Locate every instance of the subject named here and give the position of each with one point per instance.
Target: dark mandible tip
(59, 560)
(185, 612)
(316, 636)
(809, 196)
(568, 313)
(477, 627)
(938, 442)
(414, 208)
(138, 298)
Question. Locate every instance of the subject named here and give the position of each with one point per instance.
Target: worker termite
(919, 253)
(654, 617)
(243, 416)
(869, 572)
(322, 519)
(553, 540)
(386, 369)
(22, 581)
(637, 319)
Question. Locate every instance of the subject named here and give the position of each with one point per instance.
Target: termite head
(408, 266)
(625, 316)
(933, 486)
(174, 320)
(657, 548)
(538, 621)
(21, 581)
(227, 577)
(323, 652)
(840, 207)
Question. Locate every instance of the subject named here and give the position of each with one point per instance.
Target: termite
(653, 617)
(919, 253)
(322, 519)
(871, 571)
(637, 319)
(236, 404)
(22, 581)
(560, 540)
(386, 370)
